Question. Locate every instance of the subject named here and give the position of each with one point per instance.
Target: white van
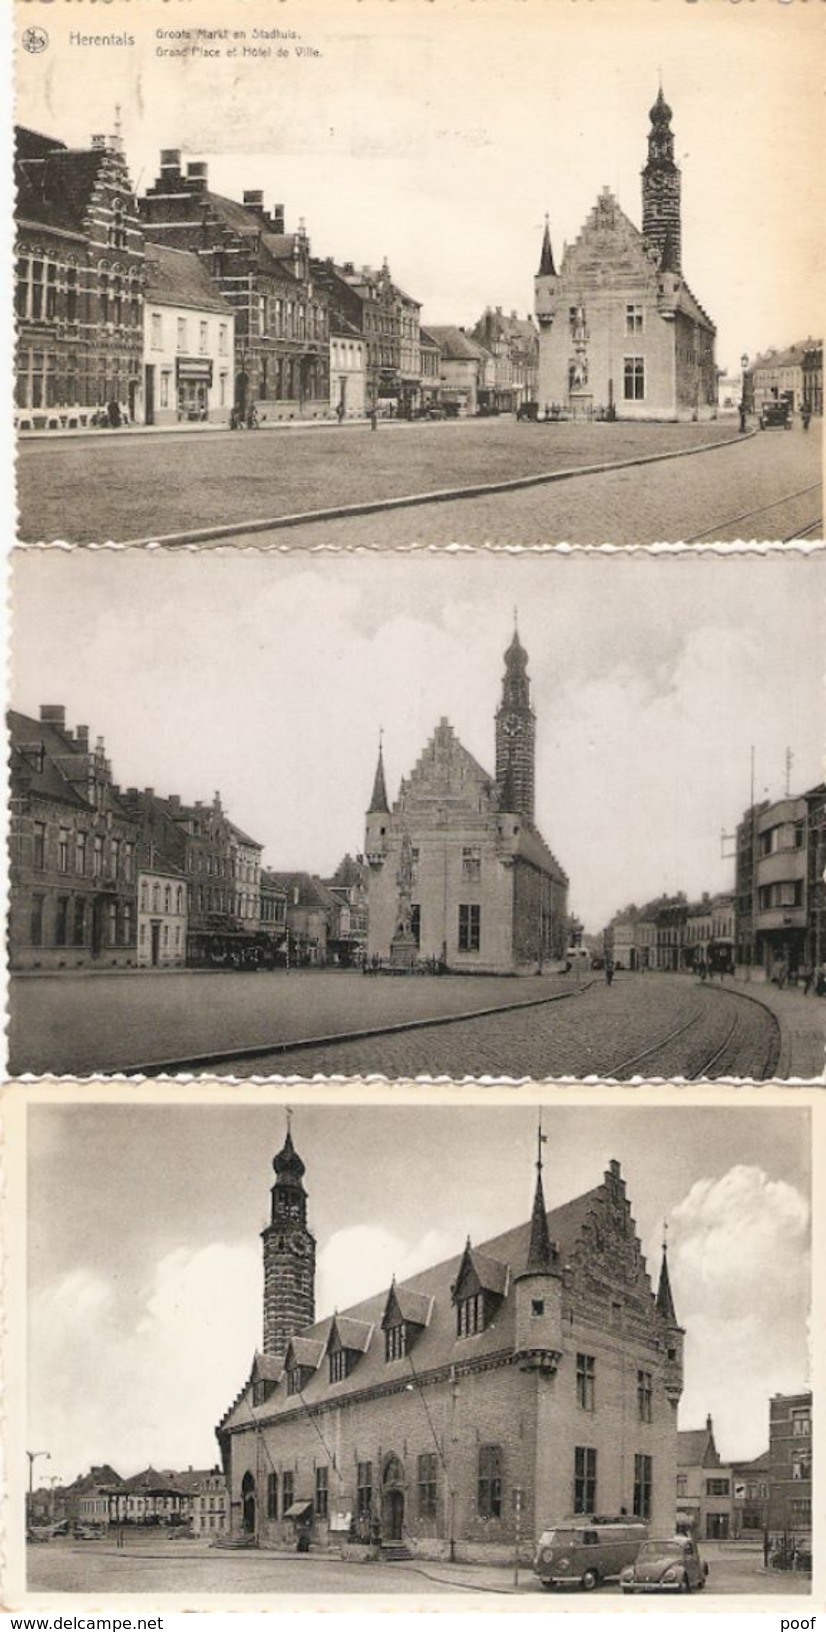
(584, 1551)
(577, 958)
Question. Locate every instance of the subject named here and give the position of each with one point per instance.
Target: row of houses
(770, 1495)
(103, 875)
(184, 304)
(791, 372)
(773, 919)
(195, 1498)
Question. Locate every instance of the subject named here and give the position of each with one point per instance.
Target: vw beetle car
(588, 1549)
(670, 1565)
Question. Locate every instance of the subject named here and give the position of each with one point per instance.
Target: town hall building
(459, 875)
(526, 1379)
(620, 332)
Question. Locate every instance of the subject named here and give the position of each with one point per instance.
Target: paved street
(158, 1566)
(671, 501)
(654, 1025)
(119, 487)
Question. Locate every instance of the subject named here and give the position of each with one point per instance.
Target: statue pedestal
(581, 404)
(403, 951)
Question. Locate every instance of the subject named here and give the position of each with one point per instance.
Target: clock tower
(289, 1255)
(516, 734)
(661, 190)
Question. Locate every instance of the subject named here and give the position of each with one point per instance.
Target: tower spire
(661, 189)
(515, 733)
(546, 258)
(378, 802)
(539, 1247)
(289, 1253)
(665, 1301)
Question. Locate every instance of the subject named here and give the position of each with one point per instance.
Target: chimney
(149, 793)
(196, 176)
(709, 1428)
(278, 218)
(99, 143)
(254, 200)
(174, 801)
(53, 714)
(82, 738)
(170, 164)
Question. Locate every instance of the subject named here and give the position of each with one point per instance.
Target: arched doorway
(392, 1505)
(248, 1504)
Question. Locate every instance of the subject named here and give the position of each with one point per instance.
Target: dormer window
(347, 1341)
(395, 1342)
(296, 1378)
(478, 1291)
(262, 1388)
(406, 1314)
(340, 1361)
(470, 1315)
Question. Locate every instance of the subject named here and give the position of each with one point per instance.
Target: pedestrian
(374, 420)
(742, 416)
(805, 415)
(609, 973)
(113, 413)
(340, 413)
(252, 417)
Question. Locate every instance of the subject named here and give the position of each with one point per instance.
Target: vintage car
(583, 1551)
(776, 415)
(670, 1565)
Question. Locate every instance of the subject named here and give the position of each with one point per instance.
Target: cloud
(131, 1377)
(741, 1274)
(359, 1262)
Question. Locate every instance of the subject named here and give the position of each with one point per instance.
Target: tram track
(721, 527)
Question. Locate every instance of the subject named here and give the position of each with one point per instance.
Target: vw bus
(585, 1550)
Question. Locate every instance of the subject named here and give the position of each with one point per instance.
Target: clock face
(513, 727)
(298, 1245)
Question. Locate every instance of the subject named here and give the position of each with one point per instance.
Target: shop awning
(194, 368)
(298, 1510)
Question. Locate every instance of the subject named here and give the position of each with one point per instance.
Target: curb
(371, 507)
(251, 1051)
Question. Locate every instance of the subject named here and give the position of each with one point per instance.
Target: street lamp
(32, 1456)
(744, 368)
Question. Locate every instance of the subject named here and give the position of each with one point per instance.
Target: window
(182, 334)
(114, 858)
(63, 850)
(322, 1492)
(802, 1465)
(287, 1490)
(537, 1307)
(272, 1496)
(128, 862)
(165, 378)
(395, 1342)
(167, 898)
(427, 1485)
(585, 1376)
(104, 297)
(71, 295)
(585, 1479)
(339, 1365)
(203, 337)
(223, 332)
(364, 1489)
(633, 318)
(469, 928)
(644, 1390)
(470, 1315)
(682, 1484)
(51, 291)
(37, 290)
(79, 936)
(112, 917)
(801, 1424)
(634, 379)
(97, 857)
(39, 851)
(294, 1380)
(489, 1495)
(80, 854)
(642, 1487)
(37, 920)
(157, 331)
(61, 932)
(471, 861)
(717, 1487)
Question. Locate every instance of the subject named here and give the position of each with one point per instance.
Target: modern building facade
(620, 332)
(79, 283)
(525, 1379)
(458, 867)
(790, 1468)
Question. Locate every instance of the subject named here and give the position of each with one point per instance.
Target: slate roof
(437, 1345)
(243, 838)
(311, 891)
(64, 765)
(55, 187)
(693, 1448)
(178, 277)
(455, 345)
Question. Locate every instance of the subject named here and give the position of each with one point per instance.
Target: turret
(377, 819)
(289, 1254)
(672, 1334)
(545, 282)
(538, 1291)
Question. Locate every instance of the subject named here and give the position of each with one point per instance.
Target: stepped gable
(595, 1246)
(445, 770)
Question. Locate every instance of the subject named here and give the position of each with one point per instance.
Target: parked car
(670, 1565)
(777, 415)
(585, 1551)
(89, 1532)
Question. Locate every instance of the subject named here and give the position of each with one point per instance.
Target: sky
(439, 135)
(144, 1252)
(269, 676)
